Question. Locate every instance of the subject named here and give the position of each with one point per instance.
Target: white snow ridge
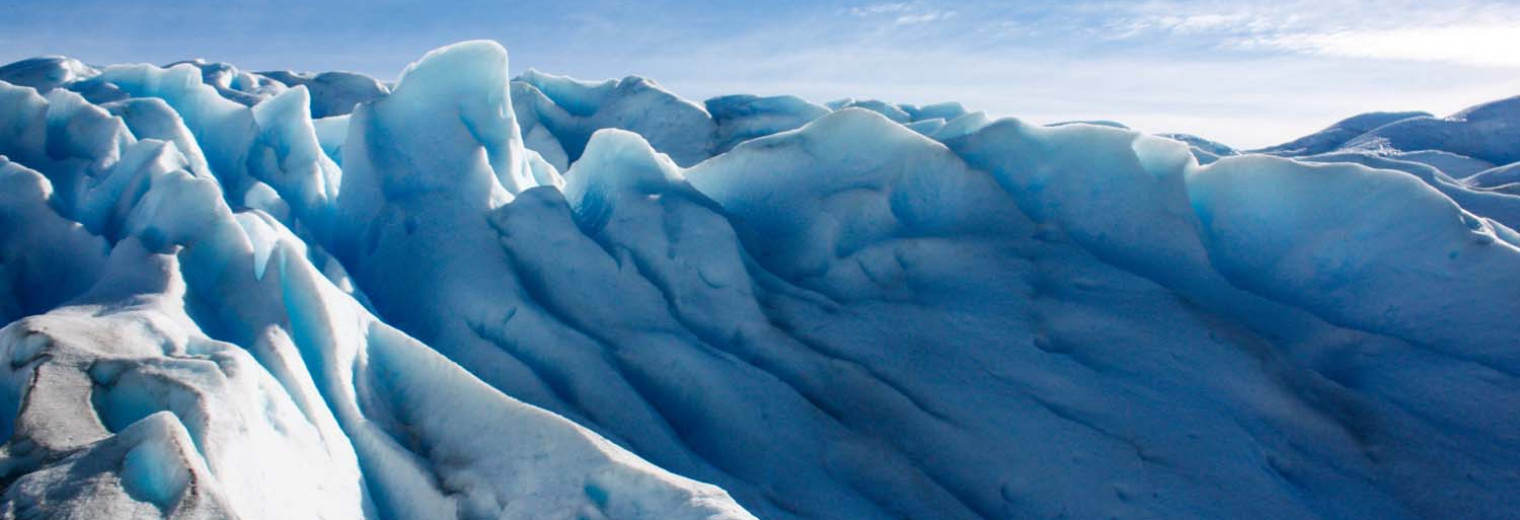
(476, 297)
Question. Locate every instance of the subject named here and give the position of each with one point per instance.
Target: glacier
(279, 295)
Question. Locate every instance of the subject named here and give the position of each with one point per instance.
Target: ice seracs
(463, 295)
(258, 386)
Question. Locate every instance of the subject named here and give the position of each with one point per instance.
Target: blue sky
(1249, 74)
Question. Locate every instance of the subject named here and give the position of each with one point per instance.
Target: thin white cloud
(880, 9)
(1191, 24)
(1463, 32)
(927, 17)
(1472, 44)
(901, 13)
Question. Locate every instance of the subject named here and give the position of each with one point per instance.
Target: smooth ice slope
(740, 118)
(333, 93)
(1340, 133)
(570, 111)
(289, 295)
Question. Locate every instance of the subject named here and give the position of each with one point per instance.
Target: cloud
(1191, 24)
(933, 16)
(880, 9)
(1474, 44)
(901, 13)
(1462, 32)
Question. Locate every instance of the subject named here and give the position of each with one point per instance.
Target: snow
(294, 295)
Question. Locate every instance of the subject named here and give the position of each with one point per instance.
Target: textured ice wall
(466, 296)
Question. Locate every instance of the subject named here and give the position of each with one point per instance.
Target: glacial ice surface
(276, 295)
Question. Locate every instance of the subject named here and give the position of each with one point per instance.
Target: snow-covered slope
(1340, 133)
(476, 297)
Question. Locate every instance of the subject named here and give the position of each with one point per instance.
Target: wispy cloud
(879, 9)
(901, 13)
(1482, 44)
(1457, 31)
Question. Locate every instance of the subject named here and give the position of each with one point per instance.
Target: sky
(1248, 74)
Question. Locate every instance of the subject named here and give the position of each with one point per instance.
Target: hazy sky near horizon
(1246, 73)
